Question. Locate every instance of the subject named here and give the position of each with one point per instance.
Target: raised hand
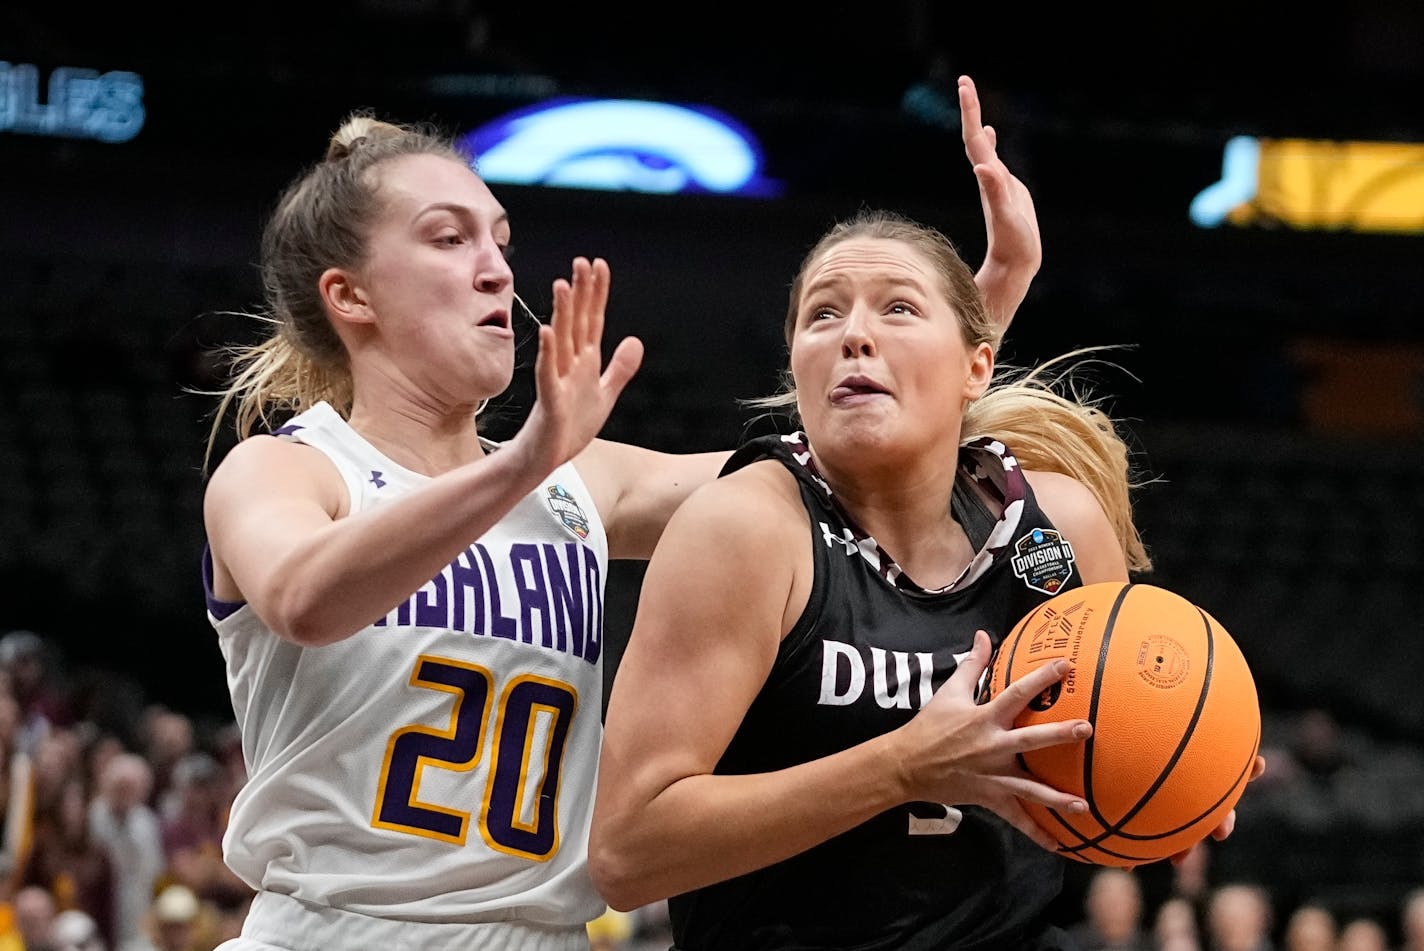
(966, 752)
(1014, 249)
(575, 392)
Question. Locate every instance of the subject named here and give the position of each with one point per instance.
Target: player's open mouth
(853, 388)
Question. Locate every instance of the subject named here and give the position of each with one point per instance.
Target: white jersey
(439, 765)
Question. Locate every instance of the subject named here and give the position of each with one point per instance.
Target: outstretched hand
(967, 752)
(1014, 251)
(575, 393)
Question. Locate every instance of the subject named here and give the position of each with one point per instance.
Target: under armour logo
(845, 538)
(376, 479)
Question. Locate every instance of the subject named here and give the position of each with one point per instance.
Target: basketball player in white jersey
(411, 616)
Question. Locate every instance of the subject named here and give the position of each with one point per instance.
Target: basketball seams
(1096, 696)
(1183, 742)
(1115, 828)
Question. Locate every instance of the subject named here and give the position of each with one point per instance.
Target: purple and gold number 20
(531, 725)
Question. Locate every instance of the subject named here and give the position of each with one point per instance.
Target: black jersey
(867, 653)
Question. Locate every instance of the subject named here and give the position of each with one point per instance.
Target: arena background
(1273, 377)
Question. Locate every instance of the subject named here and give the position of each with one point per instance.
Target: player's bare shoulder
(754, 522)
(263, 463)
(1064, 498)
(758, 504)
(1076, 511)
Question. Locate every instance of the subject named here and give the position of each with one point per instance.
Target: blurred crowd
(112, 811)
(113, 808)
(1197, 915)
(1233, 916)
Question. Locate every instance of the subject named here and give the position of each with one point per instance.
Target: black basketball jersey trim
(985, 465)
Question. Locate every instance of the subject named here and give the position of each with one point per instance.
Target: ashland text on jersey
(551, 597)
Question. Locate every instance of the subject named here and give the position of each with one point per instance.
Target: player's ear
(981, 372)
(345, 299)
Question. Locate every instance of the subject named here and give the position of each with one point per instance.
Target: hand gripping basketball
(963, 752)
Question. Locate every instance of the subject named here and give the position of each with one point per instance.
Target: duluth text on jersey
(547, 595)
(843, 676)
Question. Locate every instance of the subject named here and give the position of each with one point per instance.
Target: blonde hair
(1027, 411)
(322, 219)
(1046, 417)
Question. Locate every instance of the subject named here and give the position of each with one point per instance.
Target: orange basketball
(1176, 721)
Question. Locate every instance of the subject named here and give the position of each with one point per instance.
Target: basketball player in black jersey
(794, 755)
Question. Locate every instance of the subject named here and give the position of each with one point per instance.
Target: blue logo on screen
(75, 103)
(621, 145)
(1238, 185)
